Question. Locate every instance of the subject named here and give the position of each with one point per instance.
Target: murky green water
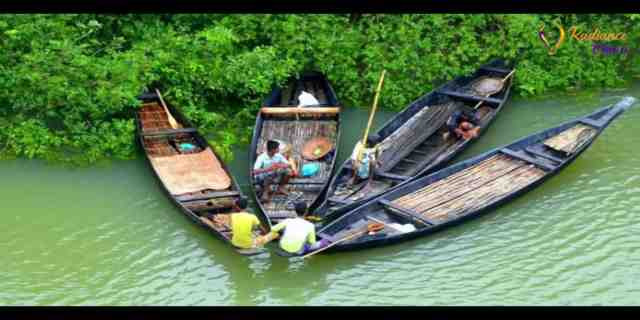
(108, 236)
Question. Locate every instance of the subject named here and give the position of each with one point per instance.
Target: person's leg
(370, 178)
(266, 186)
(284, 179)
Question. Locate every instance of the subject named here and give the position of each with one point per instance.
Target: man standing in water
(272, 167)
(299, 234)
(242, 225)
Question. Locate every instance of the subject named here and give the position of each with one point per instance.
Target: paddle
(372, 227)
(501, 85)
(172, 121)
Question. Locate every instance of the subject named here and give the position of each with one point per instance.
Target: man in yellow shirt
(242, 225)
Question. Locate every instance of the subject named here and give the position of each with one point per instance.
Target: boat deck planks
(153, 118)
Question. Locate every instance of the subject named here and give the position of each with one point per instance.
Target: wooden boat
(414, 141)
(469, 188)
(280, 119)
(196, 180)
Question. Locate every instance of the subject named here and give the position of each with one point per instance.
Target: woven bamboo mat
(571, 139)
(470, 189)
(183, 173)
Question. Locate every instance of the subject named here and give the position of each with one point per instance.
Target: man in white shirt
(271, 167)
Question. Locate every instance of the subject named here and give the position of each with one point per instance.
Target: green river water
(107, 235)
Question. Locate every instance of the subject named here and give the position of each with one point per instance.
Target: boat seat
(340, 201)
(520, 155)
(391, 176)
(496, 69)
(207, 195)
(593, 123)
(406, 213)
(543, 155)
(168, 132)
(470, 97)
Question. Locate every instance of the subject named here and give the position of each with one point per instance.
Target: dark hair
(301, 207)
(373, 139)
(242, 203)
(272, 145)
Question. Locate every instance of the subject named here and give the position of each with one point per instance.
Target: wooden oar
(373, 227)
(502, 84)
(373, 112)
(172, 121)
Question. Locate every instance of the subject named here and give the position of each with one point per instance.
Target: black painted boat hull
(600, 119)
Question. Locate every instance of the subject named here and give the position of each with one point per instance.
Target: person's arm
(312, 236)
(257, 167)
(278, 227)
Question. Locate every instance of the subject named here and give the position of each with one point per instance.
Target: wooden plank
(420, 152)
(470, 97)
(592, 123)
(207, 196)
(392, 176)
(543, 155)
(406, 212)
(409, 160)
(168, 132)
(336, 200)
(301, 110)
(505, 71)
(524, 157)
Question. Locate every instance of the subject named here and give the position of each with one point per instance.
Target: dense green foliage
(68, 82)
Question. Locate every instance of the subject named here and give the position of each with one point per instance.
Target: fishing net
(486, 86)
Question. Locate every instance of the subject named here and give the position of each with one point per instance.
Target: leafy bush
(68, 83)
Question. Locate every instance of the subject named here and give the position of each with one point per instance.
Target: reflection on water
(108, 236)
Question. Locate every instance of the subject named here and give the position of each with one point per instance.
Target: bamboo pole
(172, 121)
(373, 112)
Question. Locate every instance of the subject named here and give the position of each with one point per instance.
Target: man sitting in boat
(272, 167)
(365, 160)
(462, 124)
(242, 225)
(299, 234)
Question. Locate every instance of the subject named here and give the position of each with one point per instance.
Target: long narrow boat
(470, 188)
(195, 178)
(281, 119)
(414, 143)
